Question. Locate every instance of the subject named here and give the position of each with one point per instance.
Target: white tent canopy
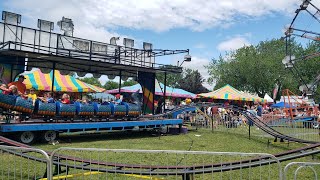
(268, 98)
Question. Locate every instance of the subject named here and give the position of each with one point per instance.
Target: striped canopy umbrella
(64, 83)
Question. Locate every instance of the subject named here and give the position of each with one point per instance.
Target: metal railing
(298, 166)
(93, 163)
(24, 163)
(45, 43)
(163, 164)
(301, 129)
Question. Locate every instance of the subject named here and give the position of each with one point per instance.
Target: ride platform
(86, 126)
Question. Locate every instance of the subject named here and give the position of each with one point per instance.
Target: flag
(275, 91)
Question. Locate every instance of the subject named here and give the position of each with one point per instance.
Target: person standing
(20, 85)
(259, 110)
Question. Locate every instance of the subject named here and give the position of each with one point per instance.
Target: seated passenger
(47, 98)
(65, 99)
(4, 89)
(118, 99)
(85, 100)
(32, 95)
(12, 90)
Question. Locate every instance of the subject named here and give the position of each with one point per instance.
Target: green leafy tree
(129, 82)
(111, 85)
(192, 82)
(255, 68)
(92, 81)
(172, 78)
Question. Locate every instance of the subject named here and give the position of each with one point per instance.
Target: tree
(129, 82)
(172, 78)
(255, 68)
(111, 85)
(92, 81)
(192, 82)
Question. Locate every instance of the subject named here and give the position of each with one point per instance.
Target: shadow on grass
(120, 135)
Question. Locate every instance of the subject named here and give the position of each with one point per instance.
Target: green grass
(220, 140)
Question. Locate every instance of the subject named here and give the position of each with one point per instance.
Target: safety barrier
(313, 173)
(301, 129)
(162, 164)
(23, 163)
(85, 163)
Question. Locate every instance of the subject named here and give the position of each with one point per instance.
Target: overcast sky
(207, 28)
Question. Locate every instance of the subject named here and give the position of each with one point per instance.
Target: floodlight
(11, 18)
(288, 61)
(129, 43)
(67, 26)
(147, 46)
(304, 4)
(288, 31)
(45, 25)
(187, 58)
(114, 40)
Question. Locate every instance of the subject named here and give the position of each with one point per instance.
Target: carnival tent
(65, 83)
(159, 89)
(280, 105)
(268, 98)
(228, 92)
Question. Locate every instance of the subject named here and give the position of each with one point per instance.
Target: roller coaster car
(66, 110)
(23, 105)
(45, 109)
(134, 110)
(16, 103)
(7, 101)
(104, 110)
(120, 110)
(85, 109)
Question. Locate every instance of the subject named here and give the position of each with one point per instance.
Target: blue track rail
(84, 126)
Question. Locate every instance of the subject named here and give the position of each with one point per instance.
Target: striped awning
(64, 83)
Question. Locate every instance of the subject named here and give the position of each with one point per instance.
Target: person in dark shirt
(259, 110)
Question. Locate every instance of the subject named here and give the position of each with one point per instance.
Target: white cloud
(156, 15)
(233, 44)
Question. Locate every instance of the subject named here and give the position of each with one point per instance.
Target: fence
(23, 163)
(162, 164)
(301, 129)
(91, 163)
(296, 167)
